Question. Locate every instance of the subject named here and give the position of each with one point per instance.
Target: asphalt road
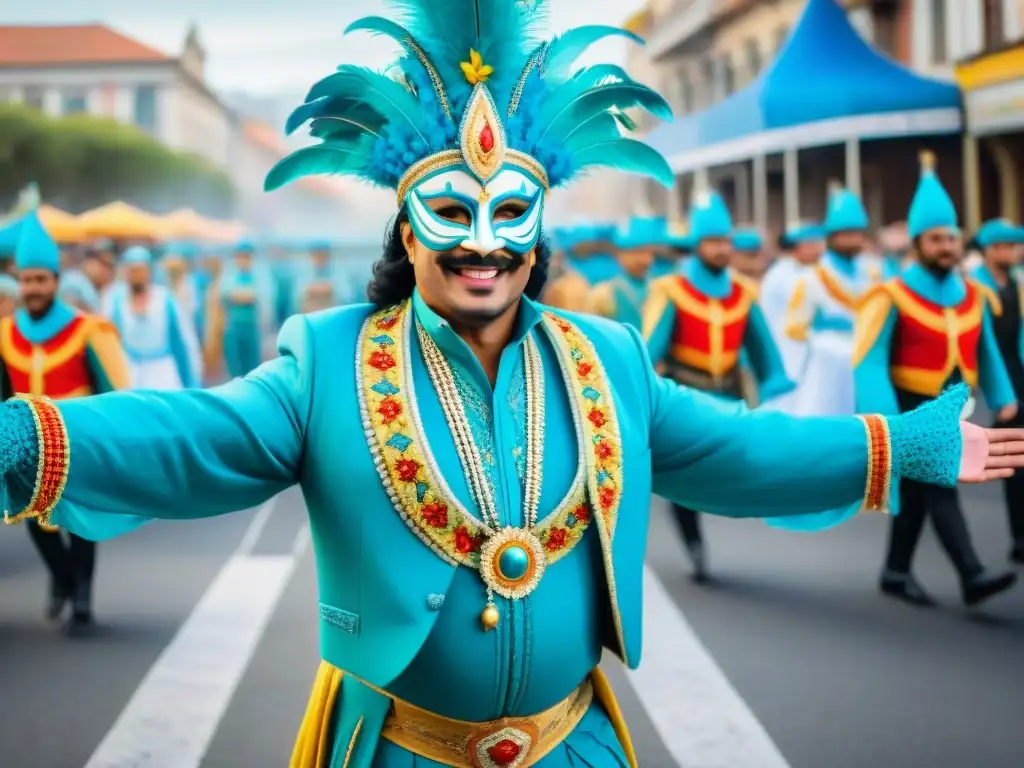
(836, 675)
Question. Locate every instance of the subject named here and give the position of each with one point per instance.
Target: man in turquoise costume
(477, 467)
(702, 326)
(236, 315)
(593, 251)
(566, 287)
(319, 285)
(823, 308)
(637, 247)
(1000, 242)
(916, 336)
(77, 291)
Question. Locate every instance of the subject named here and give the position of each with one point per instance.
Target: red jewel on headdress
(486, 139)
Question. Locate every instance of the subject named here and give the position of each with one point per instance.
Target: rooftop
(52, 45)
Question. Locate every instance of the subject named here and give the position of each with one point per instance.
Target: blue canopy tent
(826, 86)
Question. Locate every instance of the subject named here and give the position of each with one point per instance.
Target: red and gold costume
(84, 358)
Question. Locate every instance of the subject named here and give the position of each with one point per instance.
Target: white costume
(776, 289)
(160, 343)
(823, 311)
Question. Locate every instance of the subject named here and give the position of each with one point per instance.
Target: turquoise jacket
(874, 388)
(758, 351)
(391, 609)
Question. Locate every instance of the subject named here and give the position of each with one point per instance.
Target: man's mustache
(496, 260)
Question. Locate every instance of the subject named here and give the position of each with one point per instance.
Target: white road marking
(701, 718)
(259, 522)
(173, 715)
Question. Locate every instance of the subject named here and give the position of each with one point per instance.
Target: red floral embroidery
(582, 513)
(465, 543)
(381, 360)
(597, 417)
(606, 497)
(389, 409)
(387, 322)
(436, 514)
(556, 539)
(603, 449)
(563, 326)
(583, 369)
(407, 469)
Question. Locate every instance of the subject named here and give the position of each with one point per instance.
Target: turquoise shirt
(855, 277)
(522, 666)
(759, 350)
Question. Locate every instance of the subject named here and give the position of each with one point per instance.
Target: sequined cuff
(878, 487)
(52, 453)
(927, 443)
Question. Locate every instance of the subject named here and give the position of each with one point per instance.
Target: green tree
(82, 161)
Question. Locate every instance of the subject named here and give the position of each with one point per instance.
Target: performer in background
(100, 266)
(176, 273)
(159, 339)
(824, 305)
(9, 295)
(1000, 242)
(698, 323)
(318, 285)
(748, 253)
(235, 317)
(51, 349)
(916, 335)
(476, 466)
(567, 288)
(77, 291)
(636, 247)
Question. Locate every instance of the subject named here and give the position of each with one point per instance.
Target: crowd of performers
(98, 318)
(832, 326)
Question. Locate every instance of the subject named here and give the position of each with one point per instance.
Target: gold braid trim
(54, 461)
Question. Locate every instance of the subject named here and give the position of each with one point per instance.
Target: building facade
(97, 70)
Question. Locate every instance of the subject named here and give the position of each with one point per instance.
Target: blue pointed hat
(804, 232)
(642, 232)
(932, 207)
(137, 255)
(845, 212)
(709, 217)
(36, 249)
(748, 239)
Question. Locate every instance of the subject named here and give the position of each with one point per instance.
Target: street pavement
(788, 658)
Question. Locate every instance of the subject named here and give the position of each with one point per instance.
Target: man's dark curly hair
(393, 279)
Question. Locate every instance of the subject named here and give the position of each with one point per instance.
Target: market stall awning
(120, 221)
(61, 226)
(826, 85)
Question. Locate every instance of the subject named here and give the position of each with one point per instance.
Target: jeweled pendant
(512, 562)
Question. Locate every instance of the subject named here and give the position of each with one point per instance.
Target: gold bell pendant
(489, 618)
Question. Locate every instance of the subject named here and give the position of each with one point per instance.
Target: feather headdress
(475, 86)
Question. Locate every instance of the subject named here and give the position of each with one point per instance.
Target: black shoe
(1017, 554)
(903, 586)
(699, 559)
(983, 586)
(59, 596)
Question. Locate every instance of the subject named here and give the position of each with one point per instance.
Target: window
(710, 81)
(728, 74)
(940, 50)
(145, 108)
(781, 36)
(33, 96)
(73, 101)
(995, 29)
(754, 61)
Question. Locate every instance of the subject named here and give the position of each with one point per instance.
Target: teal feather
(581, 82)
(502, 32)
(341, 129)
(347, 109)
(596, 128)
(392, 100)
(325, 158)
(381, 26)
(620, 96)
(566, 49)
(628, 155)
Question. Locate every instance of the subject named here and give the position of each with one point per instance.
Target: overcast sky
(270, 46)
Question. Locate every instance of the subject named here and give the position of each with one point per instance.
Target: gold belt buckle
(508, 746)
